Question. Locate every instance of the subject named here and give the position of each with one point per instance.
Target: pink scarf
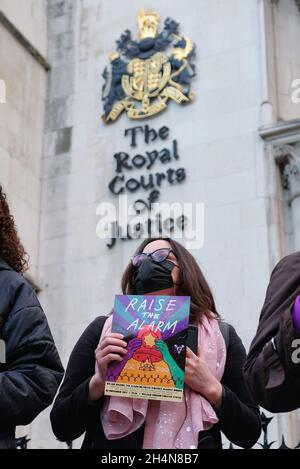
(168, 425)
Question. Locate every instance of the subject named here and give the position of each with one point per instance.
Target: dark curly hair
(11, 249)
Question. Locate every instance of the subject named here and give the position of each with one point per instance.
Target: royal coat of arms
(146, 73)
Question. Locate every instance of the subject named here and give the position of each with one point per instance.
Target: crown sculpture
(143, 77)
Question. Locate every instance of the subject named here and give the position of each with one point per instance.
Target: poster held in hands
(155, 329)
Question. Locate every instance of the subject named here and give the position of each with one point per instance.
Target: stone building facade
(23, 71)
(238, 142)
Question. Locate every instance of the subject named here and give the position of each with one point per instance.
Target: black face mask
(152, 276)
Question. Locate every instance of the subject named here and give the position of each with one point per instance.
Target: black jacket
(73, 414)
(33, 371)
(273, 376)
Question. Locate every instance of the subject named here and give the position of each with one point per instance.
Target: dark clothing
(73, 414)
(272, 373)
(31, 376)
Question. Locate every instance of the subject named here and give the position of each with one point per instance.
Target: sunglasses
(158, 256)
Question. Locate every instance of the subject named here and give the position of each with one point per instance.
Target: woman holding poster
(185, 406)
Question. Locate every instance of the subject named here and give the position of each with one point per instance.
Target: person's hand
(111, 348)
(163, 349)
(175, 370)
(199, 378)
(116, 367)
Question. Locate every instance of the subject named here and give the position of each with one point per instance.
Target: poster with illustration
(155, 328)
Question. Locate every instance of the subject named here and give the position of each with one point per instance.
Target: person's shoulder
(10, 276)
(98, 321)
(24, 293)
(91, 334)
(16, 292)
(289, 261)
(96, 326)
(225, 329)
(230, 335)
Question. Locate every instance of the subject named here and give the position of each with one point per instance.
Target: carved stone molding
(276, 2)
(24, 42)
(288, 158)
(282, 132)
